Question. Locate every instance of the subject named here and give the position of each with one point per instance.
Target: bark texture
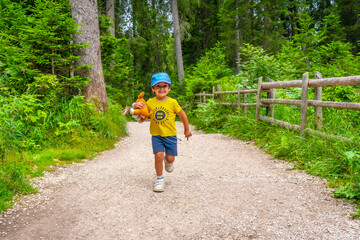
(110, 11)
(179, 60)
(85, 13)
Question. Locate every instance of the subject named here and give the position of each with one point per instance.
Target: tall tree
(204, 30)
(156, 42)
(85, 13)
(110, 12)
(234, 28)
(350, 19)
(177, 38)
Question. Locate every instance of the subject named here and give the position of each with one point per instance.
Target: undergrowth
(71, 132)
(335, 159)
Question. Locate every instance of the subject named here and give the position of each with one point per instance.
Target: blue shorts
(165, 144)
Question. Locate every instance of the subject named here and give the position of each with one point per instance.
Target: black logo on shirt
(161, 115)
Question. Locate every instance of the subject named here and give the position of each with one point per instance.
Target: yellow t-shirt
(163, 116)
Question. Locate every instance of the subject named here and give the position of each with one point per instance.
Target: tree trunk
(85, 13)
(237, 38)
(110, 11)
(252, 21)
(156, 43)
(179, 59)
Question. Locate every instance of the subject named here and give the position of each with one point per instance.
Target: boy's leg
(159, 184)
(171, 152)
(170, 158)
(159, 158)
(169, 163)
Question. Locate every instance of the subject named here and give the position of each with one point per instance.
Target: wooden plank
(235, 104)
(280, 123)
(315, 103)
(304, 99)
(227, 92)
(202, 94)
(325, 82)
(239, 95)
(258, 97)
(242, 91)
(295, 127)
(318, 110)
(242, 104)
(281, 101)
(244, 98)
(282, 84)
(218, 92)
(270, 95)
(340, 105)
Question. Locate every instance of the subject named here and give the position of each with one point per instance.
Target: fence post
(270, 95)
(244, 99)
(219, 92)
(318, 110)
(204, 97)
(213, 93)
(258, 97)
(304, 99)
(239, 96)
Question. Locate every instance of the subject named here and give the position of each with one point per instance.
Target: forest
(54, 97)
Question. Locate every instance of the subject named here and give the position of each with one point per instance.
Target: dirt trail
(221, 188)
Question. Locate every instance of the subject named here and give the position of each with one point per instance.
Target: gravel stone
(221, 188)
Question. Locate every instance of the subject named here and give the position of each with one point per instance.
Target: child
(162, 126)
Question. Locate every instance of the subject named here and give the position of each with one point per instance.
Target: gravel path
(221, 188)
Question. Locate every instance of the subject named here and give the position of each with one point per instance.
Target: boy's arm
(185, 121)
(139, 105)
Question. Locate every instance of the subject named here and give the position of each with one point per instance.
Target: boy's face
(161, 89)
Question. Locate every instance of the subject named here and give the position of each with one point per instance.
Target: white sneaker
(159, 185)
(169, 167)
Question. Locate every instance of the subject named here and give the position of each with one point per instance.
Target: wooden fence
(270, 101)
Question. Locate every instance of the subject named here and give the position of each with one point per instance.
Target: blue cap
(160, 77)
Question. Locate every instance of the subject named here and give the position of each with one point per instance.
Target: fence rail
(270, 101)
(324, 82)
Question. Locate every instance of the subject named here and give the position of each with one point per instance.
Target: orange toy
(144, 112)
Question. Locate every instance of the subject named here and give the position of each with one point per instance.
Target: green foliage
(351, 189)
(13, 180)
(19, 123)
(33, 137)
(207, 72)
(203, 33)
(37, 42)
(255, 63)
(148, 30)
(40, 106)
(318, 49)
(211, 116)
(117, 62)
(332, 29)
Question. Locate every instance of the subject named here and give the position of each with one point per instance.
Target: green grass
(13, 180)
(100, 132)
(15, 173)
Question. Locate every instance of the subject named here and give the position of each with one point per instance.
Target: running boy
(162, 126)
